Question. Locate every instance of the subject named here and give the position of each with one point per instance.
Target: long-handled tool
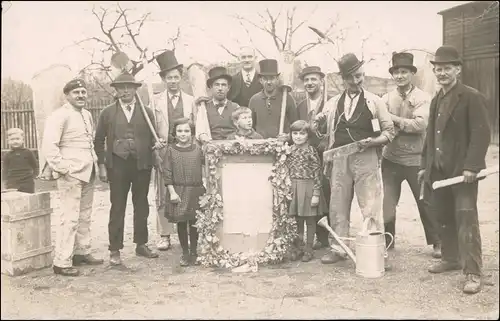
(460, 179)
(324, 223)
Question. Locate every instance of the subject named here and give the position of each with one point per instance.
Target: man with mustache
(245, 83)
(355, 116)
(69, 154)
(124, 146)
(409, 109)
(218, 123)
(169, 105)
(266, 105)
(456, 143)
(313, 78)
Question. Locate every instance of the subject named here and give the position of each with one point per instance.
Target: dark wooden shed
(473, 29)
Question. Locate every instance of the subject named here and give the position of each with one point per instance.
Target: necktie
(220, 108)
(349, 109)
(129, 107)
(248, 81)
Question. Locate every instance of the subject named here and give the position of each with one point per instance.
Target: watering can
(370, 249)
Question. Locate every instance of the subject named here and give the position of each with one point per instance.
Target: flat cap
(74, 84)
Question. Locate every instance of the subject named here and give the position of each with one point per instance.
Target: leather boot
(444, 266)
(67, 271)
(86, 259)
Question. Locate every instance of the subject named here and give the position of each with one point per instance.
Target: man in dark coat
(245, 83)
(457, 140)
(313, 104)
(125, 161)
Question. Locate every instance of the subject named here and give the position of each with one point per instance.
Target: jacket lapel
(455, 99)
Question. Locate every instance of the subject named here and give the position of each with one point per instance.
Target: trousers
(123, 175)
(163, 226)
(73, 231)
(393, 175)
(357, 173)
(456, 210)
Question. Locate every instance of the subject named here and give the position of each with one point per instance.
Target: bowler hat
(402, 60)
(349, 63)
(217, 73)
(311, 70)
(268, 67)
(125, 78)
(74, 84)
(447, 55)
(167, 61)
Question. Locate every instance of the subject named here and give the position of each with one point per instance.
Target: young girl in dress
(183, 178)
(304, 167)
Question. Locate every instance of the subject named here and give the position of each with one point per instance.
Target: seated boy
(242, 119)
(19, 165)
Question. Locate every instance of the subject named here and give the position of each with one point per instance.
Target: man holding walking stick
(458, 136)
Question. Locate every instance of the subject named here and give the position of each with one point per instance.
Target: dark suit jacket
(321, 144)
(105, 135)
(238, 83)
(466, 135)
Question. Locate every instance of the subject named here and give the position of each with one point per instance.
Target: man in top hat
(266, 105)
(126, 161)
(69, 153)
(458, 136)
(218, 125)
(313, 78)
(355, 116)
(409, 109)
(168, 105)
(246, 82)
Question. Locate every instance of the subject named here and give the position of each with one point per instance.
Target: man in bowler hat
(124, 146)
(266, 105)
(168, 105)
(218, 123)
(313, 78)
(409, 109)
(355, 116)
(458, 136)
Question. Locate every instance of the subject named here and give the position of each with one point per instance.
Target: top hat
(217, 73)
(167, 61)
(349, 63)
(311, 70)
(268, 67)
(125, 78)
(447, 55)
(74, 84)
(403, 60)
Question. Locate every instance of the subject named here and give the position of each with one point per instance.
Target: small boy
(242, 119)
(19, 165)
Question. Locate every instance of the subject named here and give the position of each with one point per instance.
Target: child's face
(245, 121)
(299, 137)
(16, 140)
(183, 133)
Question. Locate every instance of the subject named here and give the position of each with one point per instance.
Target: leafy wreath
(283, 230)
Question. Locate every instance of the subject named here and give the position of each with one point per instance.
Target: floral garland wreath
(283, 230)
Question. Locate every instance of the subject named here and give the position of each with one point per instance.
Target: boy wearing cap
(69, 154)
(266, 105)
(409, 109)
(355, 116)
(458, 136)
(126, 163)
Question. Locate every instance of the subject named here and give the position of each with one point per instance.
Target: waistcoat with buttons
(221, 126)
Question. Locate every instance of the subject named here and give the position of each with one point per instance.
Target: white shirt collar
(217, 102)
(170, 95)
(251, 73)
(131, 104)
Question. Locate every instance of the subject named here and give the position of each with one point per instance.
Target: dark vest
(221, 126)
(173, 114)
(358, 127)
(134, 138)
(246, 93)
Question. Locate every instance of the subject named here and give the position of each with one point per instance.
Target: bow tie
(220, 105)
(174, 96)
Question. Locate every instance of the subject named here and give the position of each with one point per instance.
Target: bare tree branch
(174, 40)
(251, 39)
(306, 47)
(228, 51)
(108, 32)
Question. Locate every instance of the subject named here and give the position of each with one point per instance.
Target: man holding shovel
(355, 116)
(456, 143)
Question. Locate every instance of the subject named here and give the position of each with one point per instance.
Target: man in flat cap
(69, 154)
(218, 125)
(456, 143)
(409, 109)
(313, 79)
(124, 146)
(266, 105)
(360, 117)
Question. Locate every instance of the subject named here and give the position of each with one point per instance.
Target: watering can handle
(392, 240)
(365, 224)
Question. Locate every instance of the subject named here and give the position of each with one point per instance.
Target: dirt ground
(160, 289)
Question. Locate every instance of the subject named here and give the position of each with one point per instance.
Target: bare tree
(15, 93)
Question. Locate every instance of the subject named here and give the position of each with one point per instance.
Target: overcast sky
(34, 33)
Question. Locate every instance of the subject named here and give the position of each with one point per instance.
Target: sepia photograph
(249, 160)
